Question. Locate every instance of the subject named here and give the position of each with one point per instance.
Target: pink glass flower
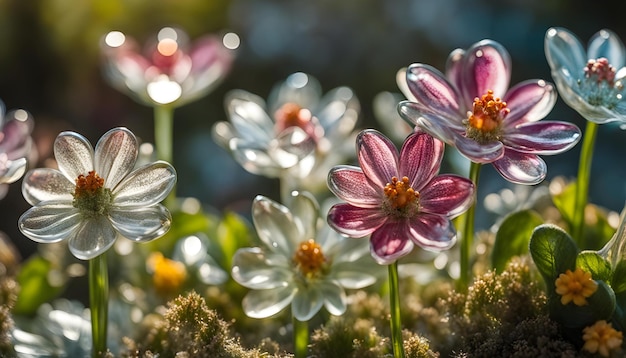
(16, 145)
(472, 108)
(398, 198)
(170, 70)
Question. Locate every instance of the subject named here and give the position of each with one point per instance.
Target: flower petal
(605, 43)
(454, 68)
(438, 125)
(391, 242)
(74, 154)
(253, 158)
(44, 184)
(141, 224)
(258, 270)
(334, 298)
(305, 211)
(447, 195)
(265, 303)
(529, 101)
(275, 226)
(356, 274)
(521, 168)
(544, 137)
(420, 158)
(477, 152)
(431, 88)
(12, 170)
(145, 186)
(403, 85)
(115, 155)
(432, 231)
(306, 303)
(564, 52)
(50, 222)
(354, 221)
(486, 66)
(291, 146)
(350, 184)
(92, 238)
(248, 116)
(378, 157)
(338, 112)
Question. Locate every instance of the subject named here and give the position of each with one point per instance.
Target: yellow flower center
(602, 338)
(484, 121)
(309, 258)
(402, 199)
(91, 198)
(575, 286)
(168, 275)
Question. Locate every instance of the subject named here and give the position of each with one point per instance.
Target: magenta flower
(472, 108)
(398, 198)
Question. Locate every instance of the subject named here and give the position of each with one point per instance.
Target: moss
(346, 338)
(8, 297)
(416, 346)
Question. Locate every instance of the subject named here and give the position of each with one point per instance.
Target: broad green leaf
(233, 232)
(513, 237)
(601, 305)
(553, 251)
(35, 288)
(596, 265)
(619, 278)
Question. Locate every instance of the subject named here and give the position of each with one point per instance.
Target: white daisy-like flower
(96, 195)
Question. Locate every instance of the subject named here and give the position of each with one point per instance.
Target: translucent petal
(306, 303)
(391, 242)
(254, 159)
(338, 112)
(44, 184)
(334, 298)
(342, 249)
(74, 154)
(403, 85)
(299, 88)
(564, 52)
(529, 101)
(15, 140)
(257, 270)
(12, 170)
(432, 231)
(447, 195)
(355, 222)
(355, 275)
(145, 186)
(275, 226)
(477, 152)
(420, 158)
(486, 66)
(115, 155)
(521, 168)
(248, 116)
(141, 224)
(222, 133)
(92, 238)
(266, 303)
(350, 184)
(605, 43)
(50, 222)
(305, 211)
(378, 157)
(438, 125)
(545, 137)
(291, 146)
(432, 89)
(454, 67)
(597, 114)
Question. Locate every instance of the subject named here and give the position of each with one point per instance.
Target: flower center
(485, 118)
(91, 198)
(599, 86)
(575, 286)
(402, 199)
(309, 258)
(292, 115)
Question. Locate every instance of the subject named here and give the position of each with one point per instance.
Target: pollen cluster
(309, 258)
(400, 194)
(292, 115)
(484, 120)
(90, 195)
(575, 286)
(600, 70)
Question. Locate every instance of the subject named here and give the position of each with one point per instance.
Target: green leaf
(601, 305)
(35, 288)
(233, 232)
(618, 282)
(553, 251)
(564, 202)
(183, 224)
(513, 237)
(596, 265)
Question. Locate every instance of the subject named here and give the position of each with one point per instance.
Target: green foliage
(513, 236)
(596, 265)
(553, 252)
(35, 287)
(344, 338)
(232, 233)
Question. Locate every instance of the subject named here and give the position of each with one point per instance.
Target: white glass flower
(299, 264)
(16, 145)
(96, 195)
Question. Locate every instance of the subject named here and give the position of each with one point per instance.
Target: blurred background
(50, 65)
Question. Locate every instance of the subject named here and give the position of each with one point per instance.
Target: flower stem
(300, 337)
(394, 304)
(163, 133)
(582, 183)
(99, 301)
(467, 232)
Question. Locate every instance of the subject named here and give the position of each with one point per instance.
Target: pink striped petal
(479, 153)
(377, 156)
(447, 195)
(454, 67)
(544, 137)
(439, 126)
(349, 184)
(430, 87)
(353, 221)
(521, 168)
(529, 101)
(487, 66)
(420, 158)
(432, 231)
(391, 242)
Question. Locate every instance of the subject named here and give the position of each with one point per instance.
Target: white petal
(248, 116)
(275, 226)
(306, 303)
(50, 222)
(74, 154)
(257, 270)
(356, 275)
(45, 184)
(254, 158)
(12, 170)
(334, 298)
(115, 155)
(305, 211)
(146, 186)
(141, 223)
(92, 238)
(265, 303)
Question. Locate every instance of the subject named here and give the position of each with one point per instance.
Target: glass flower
(471, 109)
(398, 198)
(16, 145)
(302, 262)
(575, 287)
(297, 130)
(589, 81)
(96, 195)
(171, 71)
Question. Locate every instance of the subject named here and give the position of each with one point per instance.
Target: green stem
(467, 232)
(394, 304)
(582, 183)
(99, 301)
(163, 134)
(300, 337)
